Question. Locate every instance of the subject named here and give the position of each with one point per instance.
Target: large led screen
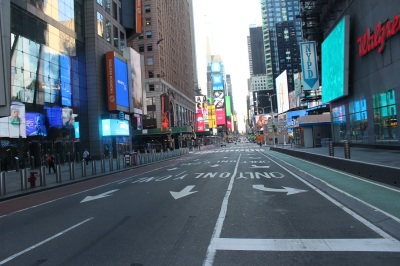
(282, 92)
(121, 82)
(219, 99)
(35, 125)
(220, 116)
(54, 116)
(115, 127)
(335, 62)
(117, 83)
(217, 82)
(65, 71)
(216, 67)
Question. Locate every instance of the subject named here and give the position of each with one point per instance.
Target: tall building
(170, 80)
(282, 34)
(256, 51)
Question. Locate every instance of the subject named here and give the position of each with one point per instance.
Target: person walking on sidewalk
(86, 156)
(50, 163)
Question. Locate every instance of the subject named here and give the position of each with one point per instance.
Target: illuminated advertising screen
(309, 65)
(217, 82)
(117, 83)
(219, 99)
(212, 120)
(335, 62)
(216, 67)
(200, 122)
(115, 127)
(65, 71)
(291, 118)
(282, 92)
(17, 121)
(35, 125)
(54, 116)
(76, 129)
(228, 106)
(220, 116)
(68, 118)
(229, 123)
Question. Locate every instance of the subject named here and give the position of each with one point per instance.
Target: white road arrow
(215, 165)
(172, 169)
(259, 166)
(102, 195)
(287, 190)
(184, 192)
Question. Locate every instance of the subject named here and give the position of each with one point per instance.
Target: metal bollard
(118, 161)
(32, 162)
(331, 149)
(83, 168)
(42, 175)
(110, 162)
(17, 164)
(3, 189)
(103, 167)
(94, 167)
(347, 150)
(58, 173)
(24, 181)
(71, 170)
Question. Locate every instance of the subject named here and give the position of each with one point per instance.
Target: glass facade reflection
(48, 74)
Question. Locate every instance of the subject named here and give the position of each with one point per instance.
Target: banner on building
(309, 65)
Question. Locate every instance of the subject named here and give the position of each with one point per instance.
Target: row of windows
(112, 34)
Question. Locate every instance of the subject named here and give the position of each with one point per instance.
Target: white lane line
(44, 241)
(337, 203)
(348, 245)
(220, 221)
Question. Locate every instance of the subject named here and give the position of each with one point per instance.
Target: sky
(226, 23)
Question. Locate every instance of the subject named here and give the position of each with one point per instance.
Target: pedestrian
(86, 156)
(50, 163)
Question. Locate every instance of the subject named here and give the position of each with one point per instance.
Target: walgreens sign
(376, 39)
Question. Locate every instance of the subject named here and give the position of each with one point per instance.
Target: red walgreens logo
(371, 40)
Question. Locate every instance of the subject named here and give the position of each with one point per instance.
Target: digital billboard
(17, 121)
(212, 119)
(220, 116)
(115, 127)
(54, 116)
(216, 67)
(65, 80)
(335, 62)
(76, 129)
(217, 82)
(35, 125)
(282, 92)
(200, 122)
(117, 83)
(219, 99)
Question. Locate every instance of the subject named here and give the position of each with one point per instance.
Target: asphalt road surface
(234, 205)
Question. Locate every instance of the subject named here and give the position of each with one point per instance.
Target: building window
(108, 6)
(151, 74)
(151, 88)
(121, 41)
(150, 61)
(148, 21)
(147, 8)
(108, 31)
(148, 34)
(141, 48)
(100, 2)
(115, 34)
(149, 47)
(100, 25)
(358, 121)
(385, 117)
(115, 11)
(141, 36)
(339, 123)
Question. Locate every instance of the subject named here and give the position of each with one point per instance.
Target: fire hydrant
(32, 179)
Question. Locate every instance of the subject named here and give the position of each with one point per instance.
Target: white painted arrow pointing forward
(184, 192)
(102, 195)
(259, 166)
(287, 190)
(170, 169)
(215, 165)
